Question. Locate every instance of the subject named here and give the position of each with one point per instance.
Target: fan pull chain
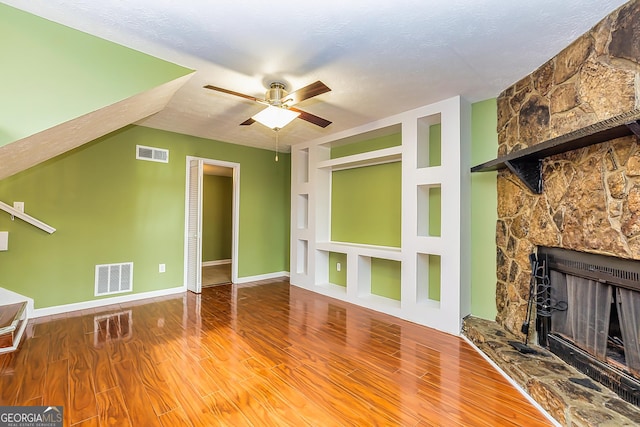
(276, 144)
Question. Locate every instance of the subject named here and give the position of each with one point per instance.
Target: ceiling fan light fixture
(275, 117)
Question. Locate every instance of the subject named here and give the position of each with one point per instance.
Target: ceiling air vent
(114, 278)
(152, 154)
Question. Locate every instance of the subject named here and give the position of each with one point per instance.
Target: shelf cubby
(428, 278)
(428, 147)
(303, 211)
(429, 210)
(303, 168)
(302, 248)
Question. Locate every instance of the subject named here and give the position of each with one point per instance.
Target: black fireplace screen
(629, 305)
(586, 319)
(602, 299)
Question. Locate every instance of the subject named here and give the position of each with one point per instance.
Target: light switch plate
(19, 206)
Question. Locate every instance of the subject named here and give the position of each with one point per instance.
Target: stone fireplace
(589, 198)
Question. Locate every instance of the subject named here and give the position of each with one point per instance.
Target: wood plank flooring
(265, 354)
(213, 275)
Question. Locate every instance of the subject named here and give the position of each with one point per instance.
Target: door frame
(235, 215)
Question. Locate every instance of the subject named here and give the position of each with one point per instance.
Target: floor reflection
(266, 352)
(112, 326)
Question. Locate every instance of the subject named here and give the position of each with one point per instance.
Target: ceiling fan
(280, 104)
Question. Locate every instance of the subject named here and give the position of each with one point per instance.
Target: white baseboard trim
(216, 262)
(262, 277)
(512, 381)
(66, 308)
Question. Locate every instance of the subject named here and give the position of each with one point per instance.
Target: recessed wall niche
(302, 257)
(338, 268)
(366, 205)
(429, 142)
(303, 211)
(428, 280)
(303, 166)
(429, 210)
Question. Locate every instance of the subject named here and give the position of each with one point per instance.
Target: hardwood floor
(263, 355)
(213, 275)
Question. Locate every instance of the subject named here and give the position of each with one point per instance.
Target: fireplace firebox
(588, 313)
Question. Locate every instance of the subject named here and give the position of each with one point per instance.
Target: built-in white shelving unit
(423, 251)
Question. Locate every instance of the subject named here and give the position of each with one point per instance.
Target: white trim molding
(267, 276)
(216, 262)
(66, 308)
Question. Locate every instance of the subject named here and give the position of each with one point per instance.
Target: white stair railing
(27, 218)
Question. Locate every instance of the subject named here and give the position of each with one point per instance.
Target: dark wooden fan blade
(248, 122)
(231, 92)
(319, 121)
(314, 89)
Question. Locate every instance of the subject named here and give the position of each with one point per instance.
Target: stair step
(12, 318)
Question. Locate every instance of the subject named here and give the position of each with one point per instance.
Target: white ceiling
(379, 58)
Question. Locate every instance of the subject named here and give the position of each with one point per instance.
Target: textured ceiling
(379, 58)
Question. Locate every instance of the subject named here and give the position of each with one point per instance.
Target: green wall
(365, 146)
(109, 207)
(386, 278)
(484, 210)
(51, 74)
(366, 205)
(217, 198)
(338, 277)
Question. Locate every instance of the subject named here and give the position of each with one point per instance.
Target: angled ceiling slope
(35, 149)
(62, 88)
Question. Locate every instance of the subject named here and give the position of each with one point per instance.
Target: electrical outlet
(338, 266)
(161, 268)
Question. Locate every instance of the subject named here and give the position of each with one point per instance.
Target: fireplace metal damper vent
(597, 328)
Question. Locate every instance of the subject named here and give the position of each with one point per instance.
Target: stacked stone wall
(591, 198)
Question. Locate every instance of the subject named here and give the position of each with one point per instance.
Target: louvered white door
(194, 228)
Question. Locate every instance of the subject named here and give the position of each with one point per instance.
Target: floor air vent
(152, 154)
(114, 278)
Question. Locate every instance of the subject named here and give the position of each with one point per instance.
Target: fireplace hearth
(588, 310)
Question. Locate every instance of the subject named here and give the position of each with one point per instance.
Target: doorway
(197, 168)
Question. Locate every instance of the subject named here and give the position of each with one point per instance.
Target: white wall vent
(152, 154)
(114, 278)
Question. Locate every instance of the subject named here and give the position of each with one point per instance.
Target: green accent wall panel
(366, 205)
(434, 277)
(109, 207)
(435, 148)
(435, 211)
(51, 73)
(217, 198)
(372, 144)
(484, 141)
(338, 277)
(386, 278)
